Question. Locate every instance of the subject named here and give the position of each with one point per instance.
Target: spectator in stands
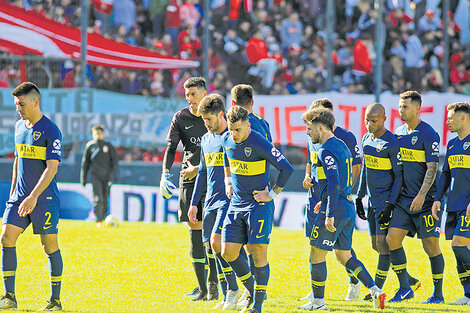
(189, 15)
(157, 12)
(173, 20)
(124, 13)
(291, 32)
(189, 44)
(460, 77)
(428, 22)
(413, 60)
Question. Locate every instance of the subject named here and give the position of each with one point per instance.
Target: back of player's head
(242, 95)
(198, 82)
(211, 104)
(98, 128)
(457, 107)
(27, 89)
(322, 103)
(237, 113)
(413, 95)
(322, 116)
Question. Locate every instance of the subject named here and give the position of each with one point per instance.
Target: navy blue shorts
(457, 224)
(421, 223)
(374, 227)
(44, 217)
(340, 239)
(252, 227)
(212, 223)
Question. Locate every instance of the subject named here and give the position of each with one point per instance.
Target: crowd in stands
(278, 46)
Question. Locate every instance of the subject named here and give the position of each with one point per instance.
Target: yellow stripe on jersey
(411, 155)
(321, 172)
(377, 163)
(459, 161)
(314, 157)
(247, 168)
(30, 152)
(214, 159)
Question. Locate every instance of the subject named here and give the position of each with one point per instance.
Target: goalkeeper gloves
(166, 186)
(386, 214)
(360, 209)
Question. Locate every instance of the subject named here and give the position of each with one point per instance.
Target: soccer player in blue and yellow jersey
(242, 95)
(311, 179)
(381, 179)
(34, 197)
(334, 224)
(188, 127)
(249, 219)
(211, 178)
(419, 150)
(456, 174)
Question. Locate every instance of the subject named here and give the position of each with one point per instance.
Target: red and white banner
(30, 32)
(284, 113)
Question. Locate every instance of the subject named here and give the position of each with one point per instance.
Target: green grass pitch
(145, 267)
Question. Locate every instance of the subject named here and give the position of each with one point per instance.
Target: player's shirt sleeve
(431, 146)
(362, 189)
(445, 179)
(330, 167)
(278, 160)
(397, 170)
(354, 148)
(53, 144)
(201, 181)
(173, 139)
(85, 164)
(114, 162)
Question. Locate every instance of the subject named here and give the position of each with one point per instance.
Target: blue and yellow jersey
(260, 125)
(312, 150)
(382, 174)
(33, 147)
(210, 178)
(248, 162)
(456, 174)
(416, 149)
(335, 190)
(350, 140)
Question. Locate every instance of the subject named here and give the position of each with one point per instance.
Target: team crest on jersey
(379, 147)
(36, 135)
(414, 140)
(248, 151)
(466, 145)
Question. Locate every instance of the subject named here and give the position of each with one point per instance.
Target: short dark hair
(413, 95)
(237, 113)
(198, 82)
(98, 127)
(242, 95)
(322, 103)
(463, 107)
(26, 89)
(320, 116)
(213, 104)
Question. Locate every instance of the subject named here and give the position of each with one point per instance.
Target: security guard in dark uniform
(101, 161)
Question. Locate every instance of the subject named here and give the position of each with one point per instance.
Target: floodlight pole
(445, 83)
(378, 77)
(330, 20)
(83, 44)
(206, 41)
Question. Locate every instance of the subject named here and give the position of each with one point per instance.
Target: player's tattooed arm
(429, 178)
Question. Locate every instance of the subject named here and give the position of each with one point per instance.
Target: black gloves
(360, 209)
(386, 214)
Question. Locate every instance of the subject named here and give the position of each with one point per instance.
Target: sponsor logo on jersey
(188, 127)
(466, 145)
(329, 160)
(36, 135)
(247, 168)
(412, 155)
(435, 146)
(214, 159)
(399, 156)
(414, 139)
(248, 151)
(328, 243)
(379, 147)
(459, 161)
(377, 163)
(275, 152)
(56, 144)
(321, 173)
(30, 152)
(195, 140)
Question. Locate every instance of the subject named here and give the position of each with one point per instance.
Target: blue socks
(261, 278)
(240, 267)
(398, 259)
(383, 267)
(56, 266)
(9, 264)
(318, 275)
(358, 269)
